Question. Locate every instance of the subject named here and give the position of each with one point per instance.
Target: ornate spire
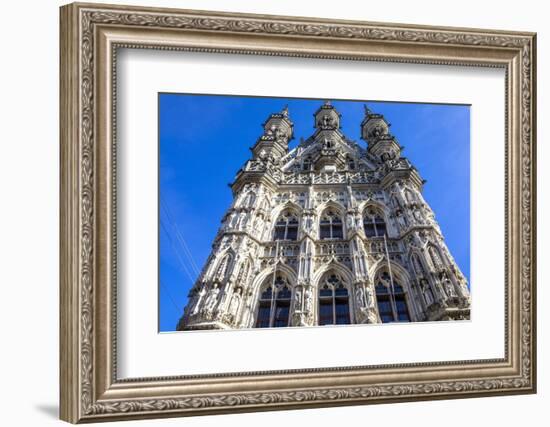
(374, 126)
(278, 131)
(284, 111)
(376, 131)
(278, 126)
(326, 117)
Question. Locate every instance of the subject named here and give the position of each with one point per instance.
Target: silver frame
(90, 37)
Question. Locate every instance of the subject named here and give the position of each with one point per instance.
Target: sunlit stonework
(327, 233)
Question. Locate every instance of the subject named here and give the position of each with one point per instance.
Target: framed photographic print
(337, 230)
(267, 212)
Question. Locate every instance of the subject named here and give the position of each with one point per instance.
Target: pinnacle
(284, 111)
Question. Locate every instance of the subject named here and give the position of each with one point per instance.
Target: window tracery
(306, 164)
(330, 225)
(390, 298)
(274, 304)
(374, 223)
(223, 268)
(334, 306)
(286, 227)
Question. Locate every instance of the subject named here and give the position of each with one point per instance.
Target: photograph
(289, 212)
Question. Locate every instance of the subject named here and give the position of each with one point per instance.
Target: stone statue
(280, 135)
(370, 297)
(360, 296)
(247, 310)
(308, 296)
(449, 288)
(350, 222)
(327, 120)
(212, 298)
(235, 302)
(417, 215)
(298, 299)
(400, 219)
(378, 130)
(197, 299)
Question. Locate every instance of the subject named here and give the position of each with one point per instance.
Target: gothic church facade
(328, 233)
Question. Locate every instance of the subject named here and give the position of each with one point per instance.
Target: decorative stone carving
(195, 303)
(298, 299)
(360, 301)
(235, 302)
(212, 298)
(308, 299)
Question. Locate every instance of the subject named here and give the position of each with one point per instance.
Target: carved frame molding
(90, 36)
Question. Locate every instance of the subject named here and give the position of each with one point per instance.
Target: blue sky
(204, 140)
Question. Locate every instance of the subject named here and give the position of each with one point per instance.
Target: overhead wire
(179, 237)
(177, 252)
(178, 311)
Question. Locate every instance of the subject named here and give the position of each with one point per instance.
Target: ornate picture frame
(90, 37)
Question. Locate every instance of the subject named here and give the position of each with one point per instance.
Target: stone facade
(326, 233)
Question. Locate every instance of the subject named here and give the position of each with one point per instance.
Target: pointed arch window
(333, 302)
(427, 291)
(374, 224)
(306, 164)
(330, 226)
(274, 305)
(286, 227)
(409, 196)
(250, 199)
(391, 300)
(351, 163)
(223, 268)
